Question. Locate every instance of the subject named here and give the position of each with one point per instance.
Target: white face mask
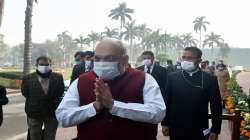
(178, 67)
(43, 69)
(107, 70)
(188, 66)
(88, 63)
(147, 62)
(220, 68)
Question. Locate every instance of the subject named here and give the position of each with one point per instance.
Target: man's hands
(103, 94)
(165, 131)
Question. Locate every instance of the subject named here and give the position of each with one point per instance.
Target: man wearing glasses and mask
(112, 102)
(43, 90)
(188, 94)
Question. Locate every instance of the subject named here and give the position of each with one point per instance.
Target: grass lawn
(5, 82)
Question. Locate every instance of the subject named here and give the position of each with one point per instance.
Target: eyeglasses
(43, 64)
(189, 58)
(109, 58)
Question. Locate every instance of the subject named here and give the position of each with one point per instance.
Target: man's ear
(200, 60)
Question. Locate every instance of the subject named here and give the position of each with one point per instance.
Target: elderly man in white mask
(112, 102)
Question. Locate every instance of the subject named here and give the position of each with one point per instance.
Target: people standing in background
(3, 101)
(85, 64)
(157, 62)
(43, 92)
(170, 67)
(178, 66)
(212, 67)
(88, 59)
(205, 67)
(79, 57)
(158, 72)
(223, 78)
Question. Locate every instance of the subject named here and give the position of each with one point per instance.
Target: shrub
(11, 75)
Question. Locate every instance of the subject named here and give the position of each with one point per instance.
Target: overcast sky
(229, 18)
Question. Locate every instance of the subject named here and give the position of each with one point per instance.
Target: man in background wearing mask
(83, 65)
(79, 57)
(43, 90)
(205, 67)
(112, 102)
(223, 78)
(187, 96)
(170, 67)
(178, 66)
(158, 72)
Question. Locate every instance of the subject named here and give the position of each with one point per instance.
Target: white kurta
(70, 113)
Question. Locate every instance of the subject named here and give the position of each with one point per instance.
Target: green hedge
(8, 83)
(11, 75)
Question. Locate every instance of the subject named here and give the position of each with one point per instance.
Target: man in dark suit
(43, 90)
(170, 67)
(83, 64)
(158, 72)
(188, 94)
(3, 101)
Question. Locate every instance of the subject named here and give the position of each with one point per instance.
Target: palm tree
(178, 44)
(224, 51)
(199, 24)
(1, 11)
(165, 40)
(143, 33)
(152, 41)
(65, 42)
(111, 33)
(213, 40)
(121, 12)
(94, 38)
(130, 33)
(28, 38)
(188, 40)
(156, 41)
(82, 41)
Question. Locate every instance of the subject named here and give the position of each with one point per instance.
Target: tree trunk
(1, 11)
(81, 46)
(200, 39)
(131, 49)
(120, 30)
(28, 39)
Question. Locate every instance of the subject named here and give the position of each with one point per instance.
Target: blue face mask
(107, 70)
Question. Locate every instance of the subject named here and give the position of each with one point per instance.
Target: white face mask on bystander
(147, 62)
(43, 69)
(188, 66)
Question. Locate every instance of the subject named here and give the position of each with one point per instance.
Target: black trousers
(185, 134)
(1, 115)
(155, 131)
